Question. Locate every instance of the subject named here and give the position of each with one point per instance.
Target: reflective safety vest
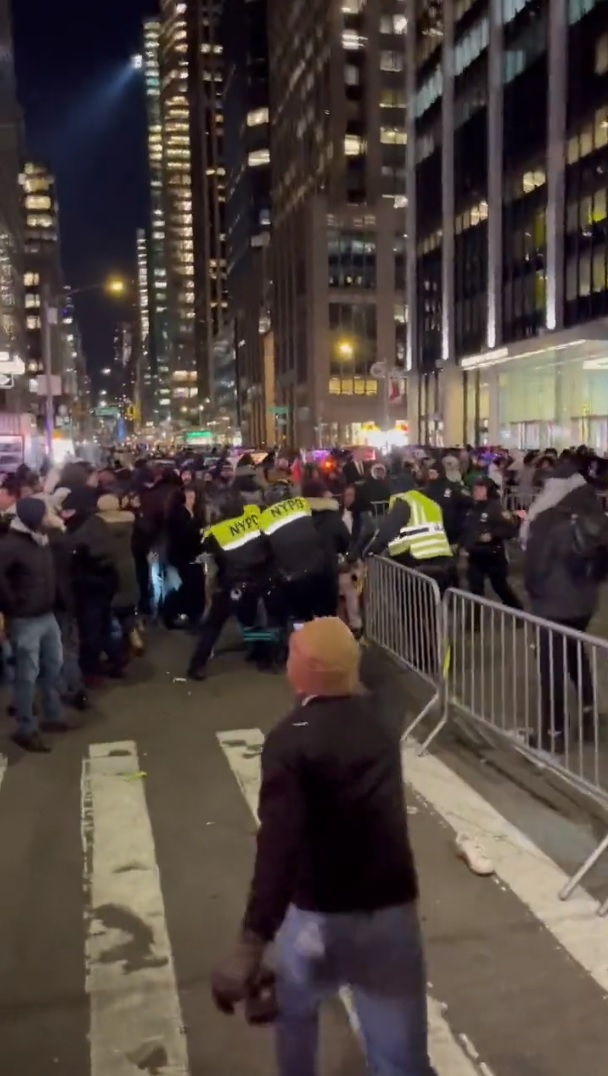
(423, 537)
(233, 534)
(283, 513)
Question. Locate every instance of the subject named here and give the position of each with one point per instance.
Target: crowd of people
(89, 556)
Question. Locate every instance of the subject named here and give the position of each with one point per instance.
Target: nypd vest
(282, 514)
(232, 535)
(423, 537)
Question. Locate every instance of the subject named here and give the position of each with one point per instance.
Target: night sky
(85, 117)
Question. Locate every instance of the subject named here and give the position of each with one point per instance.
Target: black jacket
(557, 589)
(330, 528)
(27, 576)
(454, 500)
(94, 571)
(333, 825)
(487, 526)
(183, 536)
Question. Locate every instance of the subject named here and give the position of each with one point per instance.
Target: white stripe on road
(136, 1021)
(530, 874)
(242, 749)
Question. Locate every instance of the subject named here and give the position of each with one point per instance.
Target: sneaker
(32, 741)
(80, 700)
(474, 855)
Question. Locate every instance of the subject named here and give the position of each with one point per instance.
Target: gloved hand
(261, 1001)
(233, 977)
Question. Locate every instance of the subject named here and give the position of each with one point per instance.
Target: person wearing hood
(376, 488)
(331, 798)
(335, 539)
(246, 482)
(95, 581)
(120, 525)
(445, 486)
(565, 542)
(28, 594)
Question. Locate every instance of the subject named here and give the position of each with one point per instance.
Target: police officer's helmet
(278, 491)
(231, 505)
(488, 484)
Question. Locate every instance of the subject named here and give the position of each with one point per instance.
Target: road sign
(6, 381)
(278, 410)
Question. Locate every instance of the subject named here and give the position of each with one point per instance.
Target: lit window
(393, 136)
(352, 7)
(393, 24)
(257, 117)
(531, 180)
(32, 322)
(392, 99)
(352, 40)
(354, 146)
(31, 280)
(257, 157)
(37, 201)
(391, 61)
(32, 302)
(352, 75)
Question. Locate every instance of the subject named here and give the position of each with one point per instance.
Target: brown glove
(234, 977)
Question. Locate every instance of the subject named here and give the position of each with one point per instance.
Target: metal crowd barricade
(541, 686)
(515, 500)
(378, 508)
(404, 617)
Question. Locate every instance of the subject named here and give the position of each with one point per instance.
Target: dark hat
(31, 511)
(487, 483)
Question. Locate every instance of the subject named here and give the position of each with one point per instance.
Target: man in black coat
(331, 797)
(28, 594)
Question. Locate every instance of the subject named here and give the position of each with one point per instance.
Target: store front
(554, 395)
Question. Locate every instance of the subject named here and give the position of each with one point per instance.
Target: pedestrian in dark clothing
(331, 796)
(336, 540)
(566, 558)
(95, 580)
(120, 524)
(376, 490)
(184, 537)
(28, 592)
(486, 528)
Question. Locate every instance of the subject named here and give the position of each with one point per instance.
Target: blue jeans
(379, 956)
(36, 642)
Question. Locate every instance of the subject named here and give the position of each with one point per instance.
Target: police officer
(454, 499)
(413, 534)
(304, 583)
(486, 529)
(241, 555)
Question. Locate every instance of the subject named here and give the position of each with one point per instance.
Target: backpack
(586, 544)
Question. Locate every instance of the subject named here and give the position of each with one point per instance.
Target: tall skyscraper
(247, 163)
(146, 382)
(338, 135)
(42, 267)
(12, 324)
(508, 229)
(193, 196)
(158, 337)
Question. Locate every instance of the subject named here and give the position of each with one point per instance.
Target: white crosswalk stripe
(242, 748)
(136, 1021)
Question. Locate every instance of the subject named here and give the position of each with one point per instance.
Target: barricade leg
(583, 871)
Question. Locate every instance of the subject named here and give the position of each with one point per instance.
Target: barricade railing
(540, 686)
(378, 508)
(404, 616)
(515, 500)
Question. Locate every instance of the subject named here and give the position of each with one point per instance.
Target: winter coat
(183, 536)
(93, 570)
(331, 529)
(28, 585)
(119, 526)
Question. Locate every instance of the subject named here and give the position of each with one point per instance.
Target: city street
(125, 863)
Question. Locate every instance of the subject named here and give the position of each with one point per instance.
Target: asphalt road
(126, 856)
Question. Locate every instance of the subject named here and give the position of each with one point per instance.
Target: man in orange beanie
(334, 883)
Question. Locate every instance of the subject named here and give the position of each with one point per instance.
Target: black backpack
(587, 543)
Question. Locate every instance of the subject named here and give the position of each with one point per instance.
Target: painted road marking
(530, 874)
(136, 1020)
(242, 749)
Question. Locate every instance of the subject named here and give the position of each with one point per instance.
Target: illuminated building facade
(158, 335)
(509, 276)
(42, 266)
(338, 143)
(193, 198)
(247, 163)
(145, 382)
(12, 325)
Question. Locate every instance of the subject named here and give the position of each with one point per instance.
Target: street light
(345, 349)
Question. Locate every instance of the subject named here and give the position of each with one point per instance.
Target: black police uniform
(301, 587)
(242, 557)
(486, 529)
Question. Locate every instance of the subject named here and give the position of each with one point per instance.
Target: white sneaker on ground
(474, 855)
